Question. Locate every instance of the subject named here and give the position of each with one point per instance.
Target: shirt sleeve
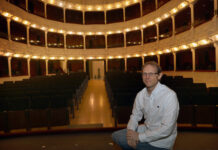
(167, 124)
(136, 115)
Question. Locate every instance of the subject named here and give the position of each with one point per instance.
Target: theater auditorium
(70, 69)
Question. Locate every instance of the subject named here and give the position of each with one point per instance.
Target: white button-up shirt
(160, 110)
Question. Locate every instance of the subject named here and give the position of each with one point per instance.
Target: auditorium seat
(205, 114)
(39, 111)
(8, 84)
(213, 94)
(18, 112)
(124, 99)
(216, 116)
(59, 117)
(59, 112)
(186, 115)
(201, 98)
(3, 121)
(3, 114)
(41, 101)
(122, 88)
(167, 80)
(122, 114)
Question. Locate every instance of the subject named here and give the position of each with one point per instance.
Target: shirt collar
(155, 91)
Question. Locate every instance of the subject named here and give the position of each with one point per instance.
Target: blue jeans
(119, 137)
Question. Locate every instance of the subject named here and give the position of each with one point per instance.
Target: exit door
(96, 69)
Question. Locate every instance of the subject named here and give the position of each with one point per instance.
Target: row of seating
(122, 88)
(33, 118)
(121, 84)
(190, 93)
(42, 101)
(198, 104)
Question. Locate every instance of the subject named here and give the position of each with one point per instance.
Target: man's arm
(132, 136)
(136, 115)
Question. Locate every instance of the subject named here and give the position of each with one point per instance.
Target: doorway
(96, 69)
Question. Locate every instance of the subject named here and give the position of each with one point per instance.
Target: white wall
(19, 78)
(210, 78)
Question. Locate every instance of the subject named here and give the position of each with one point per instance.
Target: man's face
(150, 76)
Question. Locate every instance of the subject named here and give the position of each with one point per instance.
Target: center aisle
(94, 110)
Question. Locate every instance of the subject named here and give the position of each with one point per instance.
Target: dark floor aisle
(93, 140)
(73, 141)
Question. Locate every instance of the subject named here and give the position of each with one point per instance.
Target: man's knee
(115, 136)
(119, 135)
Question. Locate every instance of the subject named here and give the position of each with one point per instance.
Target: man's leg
(146, 146)
(119, 137)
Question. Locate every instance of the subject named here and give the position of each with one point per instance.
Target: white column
(106, 61)
(64, 15)
(141, 8)
(216, 54)
(174, 61)
(124, 14)
(193, 59)
(215, 8)
(45, 9)
(64, 66)
(9, 28)
(28, 66)
(65, 40)
(83, 17)
(105, 40)
(173, 25)
(157, 26)
(143, 60)
(158, 59)
(46, 67)
(46, 39)
(28, 35)
(105, 17)
(156, 4)
(142, 36)
(84, 42)
(84, 65)
(124, 39)
(9, 66)
(26, 5)
(125, 62)
(192, 15)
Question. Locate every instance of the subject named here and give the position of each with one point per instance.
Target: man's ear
(160, 76)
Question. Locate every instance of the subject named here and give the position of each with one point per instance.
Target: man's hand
(132, 138)
(132, 143)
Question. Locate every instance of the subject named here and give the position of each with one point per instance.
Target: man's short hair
(153, 63)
